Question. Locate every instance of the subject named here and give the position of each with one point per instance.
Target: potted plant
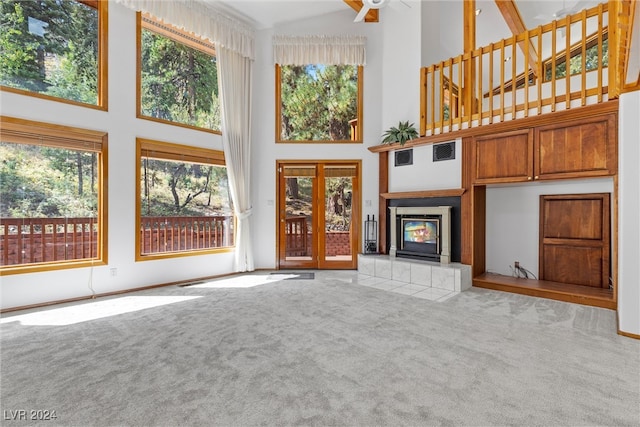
(401, 134)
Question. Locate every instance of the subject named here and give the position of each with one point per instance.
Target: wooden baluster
(583, 91)
(479, 85)
(600, 58)
(502, 46)
(491, 54)
(527, 65)
(567, 56)
(433, 100)
(514, 100)
(554, 30)
(540, 68)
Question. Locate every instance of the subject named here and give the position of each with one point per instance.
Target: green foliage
(318, 101)
(45, 182)
(403, 133)
(179, 83)
(172, 188)
(50, 47)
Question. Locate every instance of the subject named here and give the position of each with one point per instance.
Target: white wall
(629, 214)
(513, 213)
(424, 173)
(123, 128)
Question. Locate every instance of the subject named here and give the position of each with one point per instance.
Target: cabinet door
(575, 239)
(505, 157)
(585, 147)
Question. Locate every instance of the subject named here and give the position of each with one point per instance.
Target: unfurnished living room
(319, 212)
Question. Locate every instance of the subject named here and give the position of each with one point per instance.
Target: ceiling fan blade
(363, 12)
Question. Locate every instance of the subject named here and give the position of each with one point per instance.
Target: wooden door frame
(319, 246)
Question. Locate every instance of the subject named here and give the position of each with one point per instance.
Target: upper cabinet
(580, 148)
(573, 149)
(504, 157)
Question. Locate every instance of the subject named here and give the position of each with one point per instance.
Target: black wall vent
(404, 157)
(446, 151)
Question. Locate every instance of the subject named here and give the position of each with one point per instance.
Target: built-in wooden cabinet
(505, 157)
(580, 148)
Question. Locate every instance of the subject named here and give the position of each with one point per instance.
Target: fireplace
(422, 232)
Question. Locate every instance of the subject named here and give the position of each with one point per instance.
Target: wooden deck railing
(297, 236)
(160, 234)
(499, 82)
(37, 240)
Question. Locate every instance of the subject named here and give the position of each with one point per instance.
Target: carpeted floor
(261, 350)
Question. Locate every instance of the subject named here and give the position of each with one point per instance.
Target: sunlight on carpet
(246, 281)
(94, 310)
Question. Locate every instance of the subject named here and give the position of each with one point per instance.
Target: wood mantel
(456, 192)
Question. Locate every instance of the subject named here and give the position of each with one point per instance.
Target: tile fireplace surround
(454, 277)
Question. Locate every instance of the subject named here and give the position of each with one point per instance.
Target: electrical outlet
(113, 272)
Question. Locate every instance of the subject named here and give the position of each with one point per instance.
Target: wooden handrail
(160, 234)
(498, 93)
(37, 240)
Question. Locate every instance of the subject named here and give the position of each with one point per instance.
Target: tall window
(184, 206)
(51, 196)
(55, 49)
(178, 80)
(592, 58)
(319, 103)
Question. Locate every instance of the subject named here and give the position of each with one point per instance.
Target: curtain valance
(328, 50)
(201, 19)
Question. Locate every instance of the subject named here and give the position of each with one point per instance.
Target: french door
(318, 214)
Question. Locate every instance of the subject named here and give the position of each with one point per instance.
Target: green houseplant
(401, 134)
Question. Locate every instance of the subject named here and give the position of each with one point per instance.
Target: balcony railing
(159, 234)
(520, 76)
(39, 240)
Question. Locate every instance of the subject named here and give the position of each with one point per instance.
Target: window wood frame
(102, 89)
(156, 26)
(170, 151)
(359, 126)
(23, 131)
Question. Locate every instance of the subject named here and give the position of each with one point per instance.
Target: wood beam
(371, 16)
(514, 21)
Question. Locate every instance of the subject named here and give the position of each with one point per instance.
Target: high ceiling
(270, 13)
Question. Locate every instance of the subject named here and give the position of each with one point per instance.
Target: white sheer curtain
(328, 50)
(234, 82)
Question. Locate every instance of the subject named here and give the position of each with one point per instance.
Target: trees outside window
(319, 103)
(52, 48)
(51, 197)
(184, 204)
(179, 81)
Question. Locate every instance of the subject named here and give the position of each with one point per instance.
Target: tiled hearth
(425, 279)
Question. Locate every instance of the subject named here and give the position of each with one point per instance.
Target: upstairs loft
(578, 60)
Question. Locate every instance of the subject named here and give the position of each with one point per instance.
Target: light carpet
(260, 350)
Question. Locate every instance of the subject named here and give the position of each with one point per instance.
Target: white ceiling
(269, 13)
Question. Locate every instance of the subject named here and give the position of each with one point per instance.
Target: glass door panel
(338, 212)
(297, 218)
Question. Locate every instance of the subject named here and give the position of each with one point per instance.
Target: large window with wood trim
(52, 198)
(55, 49)
(318, 103)
(183, 202)
(177, 76)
